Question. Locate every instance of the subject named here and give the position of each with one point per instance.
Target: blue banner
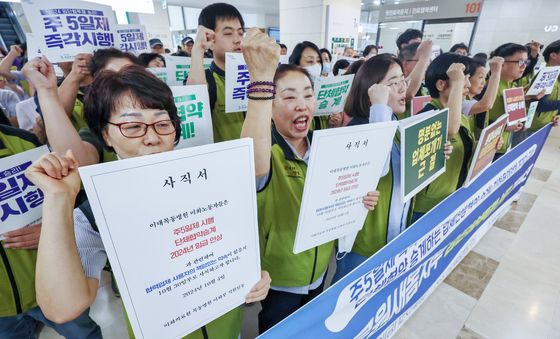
(377, 297)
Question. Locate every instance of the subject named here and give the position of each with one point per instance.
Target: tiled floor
(507, 287)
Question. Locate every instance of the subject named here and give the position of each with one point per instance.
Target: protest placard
(377, 298)
(514, 105)
(20, 200)
(531, 114)
(331, 93)
(545, 79)
(179, 67)
(133, 39)
(192, 256)
(344, 164)
(160, 72)
(423, 138)
(418, 103)
(237, 79)
(486, 148)
(65, 28)
(194, 113)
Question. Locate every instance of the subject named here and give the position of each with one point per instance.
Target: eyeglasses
(520, 62)
(139, 129)
(395, 85)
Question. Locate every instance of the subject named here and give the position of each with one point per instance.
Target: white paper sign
(331, 93)
(237, 79)
(545, 79)
(531, 114)
(180, 230)
(344, 164)
(133, 39)
(178, 68)
(160, 72)
(193, 108)
(285, 59)
(436, 51)
(66, 28)
(20, 200)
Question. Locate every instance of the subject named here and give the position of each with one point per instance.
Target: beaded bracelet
(261, 83)
(261, 90)
(260, 98)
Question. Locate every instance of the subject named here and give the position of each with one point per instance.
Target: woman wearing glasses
(134, 114)
(378, 94)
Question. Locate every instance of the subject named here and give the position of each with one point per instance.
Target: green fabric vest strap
(278, 221)
(17, 267)
(226, 126)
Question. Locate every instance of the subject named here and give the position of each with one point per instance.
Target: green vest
(373, 235)
(321, 122)
(226, 126)
(17, 267)
(543, 118)
(77, 117)
(498, 110)
(456, 168)
(278, 211)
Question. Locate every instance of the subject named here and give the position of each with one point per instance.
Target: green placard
(423, 139)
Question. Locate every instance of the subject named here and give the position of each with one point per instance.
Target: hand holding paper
(56, 174)
(23, 238)
(260, 290)
(370, 200)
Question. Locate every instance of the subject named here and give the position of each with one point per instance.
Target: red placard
(418, 103)
(514, 105)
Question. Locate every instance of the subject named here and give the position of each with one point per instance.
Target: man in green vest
(221, 28)
(19, 314)
(549, 105)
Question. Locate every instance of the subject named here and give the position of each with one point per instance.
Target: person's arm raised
(262, 55)
(203, 41)
(59, 275)
(68, 90)
(455, 100)
(60, 132)
(491, 93)
(416, 77)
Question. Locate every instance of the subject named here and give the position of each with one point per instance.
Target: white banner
(20, 200)
(178, 68)
(65, 28)
(344, 164)
(180, 229)
(331, 93)
(545, 79)
(237, 79)
(193, 108)
(133, 39)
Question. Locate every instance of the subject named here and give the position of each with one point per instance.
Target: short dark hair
(355, 66)
(408, 35)
(146, 58)
(298, 51)
(368, 49)
(508, 49)
(460, 45)
(482, 57)
(553, 47)
(324, 50)
(284, 69)
(437, 70)
(282, 45)
(408, 52)
(211, 14)
(371, 72)
(110, 88)
(340, 64)
(475, 64)
(102, 56)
